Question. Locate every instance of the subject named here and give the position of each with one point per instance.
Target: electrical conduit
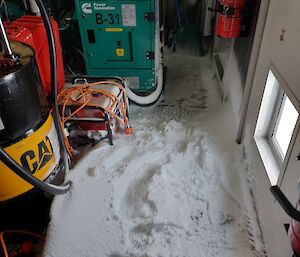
(153, 97)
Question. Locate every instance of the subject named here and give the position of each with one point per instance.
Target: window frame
(268, 114)
(272, 126)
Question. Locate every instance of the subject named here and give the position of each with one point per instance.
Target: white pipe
(153, 97)
(34, 8)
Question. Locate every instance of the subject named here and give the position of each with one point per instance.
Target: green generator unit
(121, 38)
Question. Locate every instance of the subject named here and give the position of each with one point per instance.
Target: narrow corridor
(176, 188)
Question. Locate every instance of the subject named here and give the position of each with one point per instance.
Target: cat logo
(86, 7)
(35, 161)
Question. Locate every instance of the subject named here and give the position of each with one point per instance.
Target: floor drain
(178, 112)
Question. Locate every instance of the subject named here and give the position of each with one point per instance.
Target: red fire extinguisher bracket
(238, 4)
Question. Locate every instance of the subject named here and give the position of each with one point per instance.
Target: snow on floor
(173, 189)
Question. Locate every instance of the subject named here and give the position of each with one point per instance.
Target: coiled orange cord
(118, 104)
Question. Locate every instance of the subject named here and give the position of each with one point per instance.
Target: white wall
(280, 47)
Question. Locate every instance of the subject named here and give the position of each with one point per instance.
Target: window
(275, 126)
(285, 122)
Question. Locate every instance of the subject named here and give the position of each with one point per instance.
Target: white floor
(176, 188)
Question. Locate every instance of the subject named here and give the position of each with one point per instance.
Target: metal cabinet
(118, 39)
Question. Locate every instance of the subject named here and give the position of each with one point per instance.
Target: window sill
(268, 158)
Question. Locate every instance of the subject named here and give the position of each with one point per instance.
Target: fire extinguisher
(229, 18)
(294, 213)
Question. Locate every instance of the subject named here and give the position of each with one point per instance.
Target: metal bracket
(222, 9)
(149, 16)
(150, 55)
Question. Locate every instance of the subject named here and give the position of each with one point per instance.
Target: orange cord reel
(85, 104)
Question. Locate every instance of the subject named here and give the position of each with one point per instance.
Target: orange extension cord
(2, 241)
(85, 91)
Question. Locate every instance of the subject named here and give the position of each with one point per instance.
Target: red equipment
(30, 30)
(92, 114)
(25, 249)
(229, 19)
(294, 235)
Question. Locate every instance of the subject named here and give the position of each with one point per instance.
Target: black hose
(15, 167)
(11, 163)
(285, 203)
(53, 64)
